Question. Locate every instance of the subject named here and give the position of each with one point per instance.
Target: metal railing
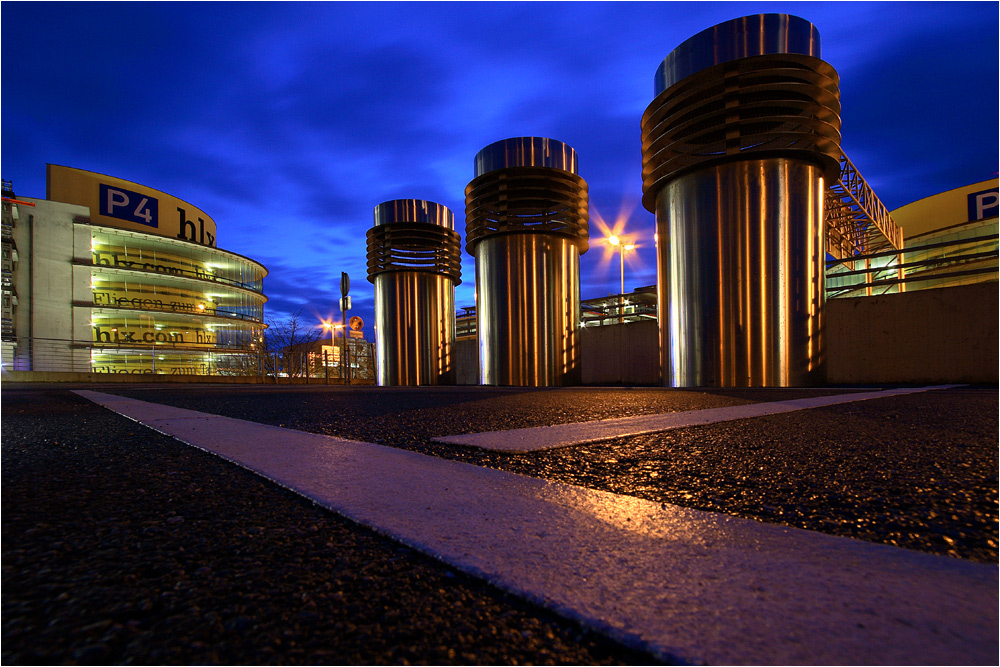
(137, 266)
(70, 356)
(184, 309)
(946, 262)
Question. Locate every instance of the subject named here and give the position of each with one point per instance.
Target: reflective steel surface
(414, 260)
(415, 325)
(526, 223)
(740, 263)
(539, 200)
(528, 310)
(414, 210)
(748, 36)
(526, 152)
(767, 106)
(738, 144)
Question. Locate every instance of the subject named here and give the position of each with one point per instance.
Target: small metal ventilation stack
(738, 147)
(527, 220)
(414, 261)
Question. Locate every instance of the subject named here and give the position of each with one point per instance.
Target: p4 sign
(983, 204)
(127, 205)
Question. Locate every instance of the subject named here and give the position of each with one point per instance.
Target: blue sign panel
(983, 204)
(127, 205)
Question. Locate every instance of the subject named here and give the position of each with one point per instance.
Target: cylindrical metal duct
(738, 147)
(414, 260)
(527, 219)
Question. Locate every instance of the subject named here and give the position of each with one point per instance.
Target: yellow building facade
(110, 276)
(976, 203)
(951, 237)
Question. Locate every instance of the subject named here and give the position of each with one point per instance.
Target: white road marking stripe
(564, 435)
(696, 586)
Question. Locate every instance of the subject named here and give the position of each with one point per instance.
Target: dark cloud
(289, 122)
(922, 128)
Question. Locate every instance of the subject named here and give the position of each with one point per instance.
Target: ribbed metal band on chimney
(738, 146)
(414, 260)
(527, 220)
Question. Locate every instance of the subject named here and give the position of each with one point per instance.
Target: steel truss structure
(857, 222)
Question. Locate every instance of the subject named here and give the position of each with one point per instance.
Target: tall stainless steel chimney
(527, 219)
(414, 260)
(738, 147)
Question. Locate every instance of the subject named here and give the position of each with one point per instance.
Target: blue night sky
(289, 122)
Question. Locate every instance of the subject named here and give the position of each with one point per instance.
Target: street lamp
(333, 329)
(622, 247)
(333, 334)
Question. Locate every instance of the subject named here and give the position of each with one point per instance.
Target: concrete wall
(83, 330)
(52, 292)
(626, 354)
(467, 361)
(45, 239)
(947, 335)
(939, 335)
(615, 354)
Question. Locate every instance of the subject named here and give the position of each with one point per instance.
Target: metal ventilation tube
(738, 147)
(527, 225)
(414, 260)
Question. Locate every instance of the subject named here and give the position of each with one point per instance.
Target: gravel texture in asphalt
(917, 471)
(404, 417)
(124, 546)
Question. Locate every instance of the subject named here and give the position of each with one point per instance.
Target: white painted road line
(564, 435)
(696, 586)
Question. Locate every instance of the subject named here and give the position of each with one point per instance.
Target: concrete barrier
(467, 361)
(941, 335)
(625, 354)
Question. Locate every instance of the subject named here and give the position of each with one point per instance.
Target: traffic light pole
(345, 288)
(346, 367)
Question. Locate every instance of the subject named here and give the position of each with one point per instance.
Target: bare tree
(291, 338)
(249, 360)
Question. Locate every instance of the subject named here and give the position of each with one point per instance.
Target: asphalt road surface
(121, 545)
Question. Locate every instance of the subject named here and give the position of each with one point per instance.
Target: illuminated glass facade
(951, 239)
(93, 297)
(161, 306)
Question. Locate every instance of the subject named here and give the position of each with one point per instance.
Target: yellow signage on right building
(951, 237)
(979, 201)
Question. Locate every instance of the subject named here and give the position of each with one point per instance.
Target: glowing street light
(333, 328)
(622, 248)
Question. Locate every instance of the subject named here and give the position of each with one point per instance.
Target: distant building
(322, 359)
(109, 276)
(637, 306)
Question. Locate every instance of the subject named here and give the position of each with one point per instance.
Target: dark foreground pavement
(121, 545)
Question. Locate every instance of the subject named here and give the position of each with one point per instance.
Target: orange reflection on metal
(740, 268)
(528, 333)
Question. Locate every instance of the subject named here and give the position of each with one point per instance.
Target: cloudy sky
(289, 122)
